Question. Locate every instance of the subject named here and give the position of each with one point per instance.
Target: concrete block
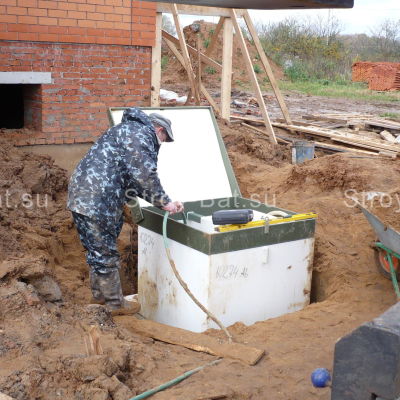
(29, 77)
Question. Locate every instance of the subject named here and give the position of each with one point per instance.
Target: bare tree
(386, 37)
(167, 25)
(327, 27)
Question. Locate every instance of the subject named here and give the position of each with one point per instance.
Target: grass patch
(341, 89)
(256, 68)
(391, 115)
(206, 43)
(210, 70)
(164, 62)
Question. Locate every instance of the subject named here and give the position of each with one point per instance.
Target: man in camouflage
(120, 165)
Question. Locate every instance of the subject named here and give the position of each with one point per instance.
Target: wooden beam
(205, 59)
(198, 63)
(175, 51)
(263, 132)
(256, 121)
(214, 37)
(207, 95)
(185, 53)
(253, 77)
(267, 67)
(342, 138)
(226, 79)
(179, 57)
(322, 145)
(156, 65)
(191, 340)
(197, 10)
(203, 90)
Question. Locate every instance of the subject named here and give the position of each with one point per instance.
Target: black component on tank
(226, 217)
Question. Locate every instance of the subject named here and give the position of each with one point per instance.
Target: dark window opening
(20, 106)
(11, 106)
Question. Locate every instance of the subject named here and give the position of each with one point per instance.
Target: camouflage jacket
(122, 164)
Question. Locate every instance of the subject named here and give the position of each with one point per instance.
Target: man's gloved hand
(173, 207)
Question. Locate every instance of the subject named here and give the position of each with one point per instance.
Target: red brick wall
(87, 79)
(123, 22)
(33, 106)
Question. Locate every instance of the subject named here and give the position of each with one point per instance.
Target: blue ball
(320, 377)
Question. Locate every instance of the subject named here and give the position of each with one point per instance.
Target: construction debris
(171, 98)
(192, 340)
(386, 135)
(358, 132)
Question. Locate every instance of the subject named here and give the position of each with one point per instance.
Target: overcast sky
(360, 19)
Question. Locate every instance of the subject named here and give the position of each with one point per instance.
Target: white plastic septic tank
(244, 275)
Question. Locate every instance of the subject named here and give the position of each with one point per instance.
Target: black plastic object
(367, 361)
(226, 217)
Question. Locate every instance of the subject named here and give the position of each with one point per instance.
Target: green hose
(394, 277)
(173, 382)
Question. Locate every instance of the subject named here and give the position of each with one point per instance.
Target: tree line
(316, 48)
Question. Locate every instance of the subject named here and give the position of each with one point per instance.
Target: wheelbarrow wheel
(384, 266)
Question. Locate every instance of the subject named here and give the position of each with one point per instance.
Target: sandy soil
(44, 316)
(386, 206)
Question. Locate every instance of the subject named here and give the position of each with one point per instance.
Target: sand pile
(44, 316)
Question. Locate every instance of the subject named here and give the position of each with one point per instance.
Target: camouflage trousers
(99, 238)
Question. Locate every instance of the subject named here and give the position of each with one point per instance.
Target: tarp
(267, 4)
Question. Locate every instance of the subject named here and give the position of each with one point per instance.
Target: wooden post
(198, 63)
(267, 67)
(207, 95)
(226, 79)
(156, 65)
(214, 38)
(253, 77)
(185, 54)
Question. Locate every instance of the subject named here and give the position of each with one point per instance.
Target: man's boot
(97, 296)
(110, 286)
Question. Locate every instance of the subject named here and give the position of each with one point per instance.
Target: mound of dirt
(329, 173)
(173, 72)
(30, 187)
(44, 291)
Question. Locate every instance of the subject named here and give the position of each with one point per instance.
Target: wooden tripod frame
(227, 22)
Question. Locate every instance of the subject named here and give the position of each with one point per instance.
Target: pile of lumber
(341, 132)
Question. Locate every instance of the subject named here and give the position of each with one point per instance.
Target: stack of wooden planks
(342, 132)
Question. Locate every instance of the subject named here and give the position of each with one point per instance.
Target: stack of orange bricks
(379, 76)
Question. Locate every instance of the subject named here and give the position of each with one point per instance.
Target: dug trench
(44, 290)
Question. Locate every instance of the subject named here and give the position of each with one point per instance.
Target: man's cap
(159, 119)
